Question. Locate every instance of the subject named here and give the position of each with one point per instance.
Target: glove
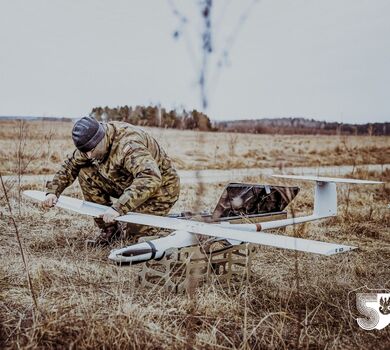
(50, 200)
(109, 215)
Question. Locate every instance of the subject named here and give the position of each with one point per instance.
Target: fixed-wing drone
(186, 230)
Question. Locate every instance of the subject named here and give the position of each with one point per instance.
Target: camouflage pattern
(136, 172)
(247, 199)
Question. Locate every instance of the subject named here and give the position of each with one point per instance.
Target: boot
(106, 236)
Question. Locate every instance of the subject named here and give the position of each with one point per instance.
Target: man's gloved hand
(109, 215)
(50, 200)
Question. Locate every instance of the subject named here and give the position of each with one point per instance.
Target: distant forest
(155, 116)
(194, 120)
(303, 126)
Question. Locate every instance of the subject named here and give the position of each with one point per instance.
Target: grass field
(42, 145)
(293, 300)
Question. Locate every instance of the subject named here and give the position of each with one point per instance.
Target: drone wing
(69, 203)
(214, 230)
(328, 179)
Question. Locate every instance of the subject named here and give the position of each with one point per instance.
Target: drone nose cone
(113, 255)
(130, 256)
(133, 254)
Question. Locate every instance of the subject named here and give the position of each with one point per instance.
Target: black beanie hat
(87, 133)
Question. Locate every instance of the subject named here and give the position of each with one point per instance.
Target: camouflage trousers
(98, 189)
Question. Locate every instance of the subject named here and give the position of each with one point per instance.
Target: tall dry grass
(292, 300)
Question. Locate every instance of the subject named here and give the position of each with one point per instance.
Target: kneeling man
(121, 161)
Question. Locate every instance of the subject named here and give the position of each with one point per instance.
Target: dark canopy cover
(240, 199)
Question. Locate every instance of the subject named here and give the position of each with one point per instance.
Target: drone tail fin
(325, 197)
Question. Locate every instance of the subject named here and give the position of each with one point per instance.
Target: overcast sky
(321, 59)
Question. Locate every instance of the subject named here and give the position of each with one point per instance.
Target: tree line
(158, 116)
(155, 116)
(303, 126)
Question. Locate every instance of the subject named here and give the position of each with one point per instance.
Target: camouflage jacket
(136, 166)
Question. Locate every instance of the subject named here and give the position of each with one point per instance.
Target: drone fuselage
(153, 249)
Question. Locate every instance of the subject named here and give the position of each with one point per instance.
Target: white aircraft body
(186, 231)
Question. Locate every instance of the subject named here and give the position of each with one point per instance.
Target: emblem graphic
(375, 309)
(385, 306)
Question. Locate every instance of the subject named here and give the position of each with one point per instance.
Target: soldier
(121, 161)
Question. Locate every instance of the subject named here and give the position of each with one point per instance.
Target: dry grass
(291, 300)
